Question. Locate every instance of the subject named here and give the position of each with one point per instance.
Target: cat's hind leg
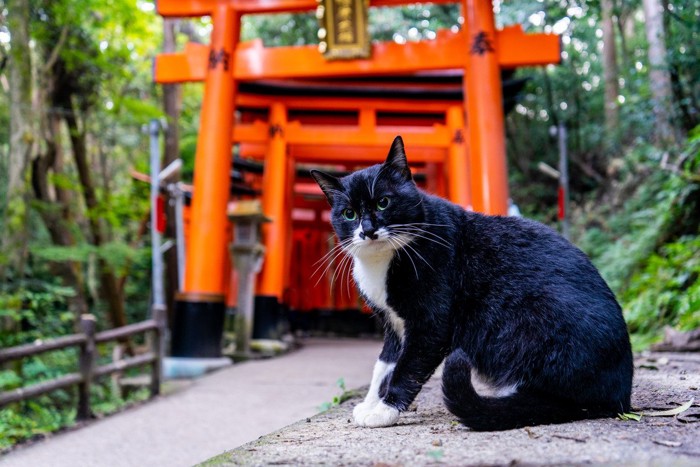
(508, 407)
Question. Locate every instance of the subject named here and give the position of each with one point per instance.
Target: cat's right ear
(330, 185)
(397, 159)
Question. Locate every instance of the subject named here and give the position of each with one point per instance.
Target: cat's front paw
(363, 409)
(378, 415)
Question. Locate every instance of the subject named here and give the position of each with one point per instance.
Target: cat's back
(515, 260)
(522, 247)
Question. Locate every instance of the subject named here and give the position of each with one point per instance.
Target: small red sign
(160, 215)
(562, 210)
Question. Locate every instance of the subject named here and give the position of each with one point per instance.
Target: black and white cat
(503, 301)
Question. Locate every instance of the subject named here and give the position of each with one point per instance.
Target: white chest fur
(370, 273)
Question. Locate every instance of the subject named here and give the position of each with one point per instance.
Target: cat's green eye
(349, 214)
(383, 203)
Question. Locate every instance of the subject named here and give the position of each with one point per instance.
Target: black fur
(505, 296)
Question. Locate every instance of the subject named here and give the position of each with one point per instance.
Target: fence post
(87, 365)
(159, 314)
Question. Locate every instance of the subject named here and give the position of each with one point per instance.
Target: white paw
(379, 415)
(363, 409)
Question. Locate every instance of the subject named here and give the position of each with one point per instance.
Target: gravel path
(428, 434)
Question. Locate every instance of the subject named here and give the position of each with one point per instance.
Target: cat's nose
(368, 232)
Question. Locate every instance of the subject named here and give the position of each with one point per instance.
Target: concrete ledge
(428, 434)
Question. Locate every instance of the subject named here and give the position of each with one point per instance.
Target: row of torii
(467, 143)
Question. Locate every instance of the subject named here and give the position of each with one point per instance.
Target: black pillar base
(344, 322)
(269, 317)
(198, 325)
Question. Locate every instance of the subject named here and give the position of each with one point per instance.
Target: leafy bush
(666, 291)
(645, 239)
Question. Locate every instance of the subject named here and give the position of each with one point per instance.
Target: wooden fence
(88, 370)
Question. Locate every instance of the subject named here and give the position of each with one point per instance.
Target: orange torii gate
(478, 50)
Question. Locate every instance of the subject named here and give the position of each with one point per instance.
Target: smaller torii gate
(478, 176)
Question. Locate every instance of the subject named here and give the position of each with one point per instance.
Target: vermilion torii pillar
(483, 96)
(200, 308)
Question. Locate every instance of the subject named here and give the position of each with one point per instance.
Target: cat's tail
(502, 413)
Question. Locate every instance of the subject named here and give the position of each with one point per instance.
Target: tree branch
(56, 50)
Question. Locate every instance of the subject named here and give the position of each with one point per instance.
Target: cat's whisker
(426, 224)
(341, 269)
(345, 262)
(408, 245)
(329, 259)
(347, 269)
(416, 235)
(418, 229)
(395, 241)
(415, 227)
(335, 248)
(330, 256)
(427, 235)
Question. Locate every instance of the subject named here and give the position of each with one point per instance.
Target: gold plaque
(344, 26)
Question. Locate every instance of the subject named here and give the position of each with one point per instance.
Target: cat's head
(374, 209)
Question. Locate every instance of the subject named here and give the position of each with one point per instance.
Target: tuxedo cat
(505, 302)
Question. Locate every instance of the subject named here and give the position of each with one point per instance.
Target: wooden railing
(88, 370)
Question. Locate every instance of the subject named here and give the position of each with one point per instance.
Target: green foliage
(281, 29)
(667, 290)
(648, 249)
(33, 312)
(340, 398)
(24, 421)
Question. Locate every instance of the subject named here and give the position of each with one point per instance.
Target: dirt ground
(429, 435)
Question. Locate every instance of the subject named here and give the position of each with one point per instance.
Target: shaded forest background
(76, 91)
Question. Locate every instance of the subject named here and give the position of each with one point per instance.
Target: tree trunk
(22, 135)
(171, 106)
(22, 130)
(108, 280)
(659, 76)
(610, 72)
(682, 101)
(55, 214)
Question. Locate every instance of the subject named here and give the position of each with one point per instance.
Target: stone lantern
(247, 252)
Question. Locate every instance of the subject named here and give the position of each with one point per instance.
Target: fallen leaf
(648, 367)
(671, 412)
(670, 444)
(572, 438)
(630, 416)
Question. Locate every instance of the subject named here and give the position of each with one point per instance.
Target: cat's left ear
(330, 185)
(397, 159)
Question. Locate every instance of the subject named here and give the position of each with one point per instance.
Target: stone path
(428, 434)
